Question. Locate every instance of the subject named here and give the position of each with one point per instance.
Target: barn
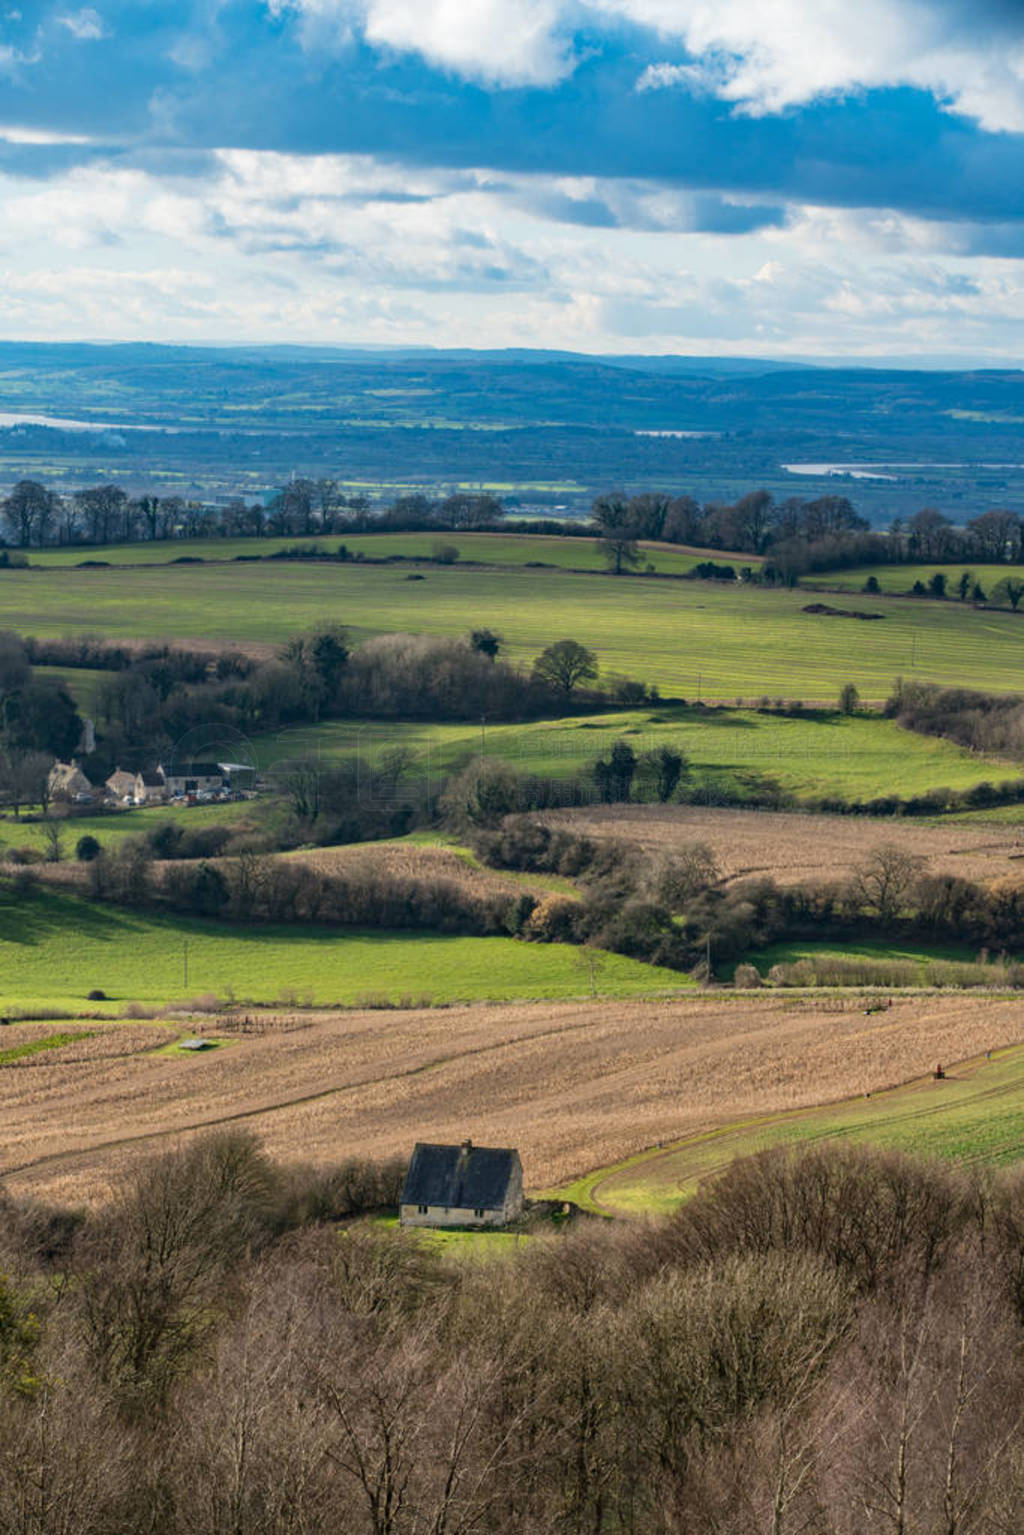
(463, 1185)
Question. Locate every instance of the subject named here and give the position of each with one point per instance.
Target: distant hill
(537, 423)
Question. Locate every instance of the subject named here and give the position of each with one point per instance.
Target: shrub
(96, 995)
(87, 848)
(746, 977)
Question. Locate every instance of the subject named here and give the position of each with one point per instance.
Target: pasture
(113, 827)
(972, 1116)
(695, 639)
(901, 578)
(575, 1085)
(737, 751)
(55, 948)
(516, 549)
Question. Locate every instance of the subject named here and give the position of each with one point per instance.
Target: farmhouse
(136, 788)
(463, 1185)
(68, 782)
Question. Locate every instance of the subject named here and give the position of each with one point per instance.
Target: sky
(779, 178)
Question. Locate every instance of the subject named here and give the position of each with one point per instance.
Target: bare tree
(881, 884)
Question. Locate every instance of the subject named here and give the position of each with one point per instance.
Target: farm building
(463, 1185)
(197, 778)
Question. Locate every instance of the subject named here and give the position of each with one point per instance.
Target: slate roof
(464, 1177)
(195, 770)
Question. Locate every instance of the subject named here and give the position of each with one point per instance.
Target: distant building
(197, 778)
(150, 788)
(463, 1185)
(121, 784)
(68, 782)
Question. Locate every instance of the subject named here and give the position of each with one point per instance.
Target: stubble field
(795, 849)
(574, 1085)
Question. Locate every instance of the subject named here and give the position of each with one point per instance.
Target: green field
(82, 683)
(56, 948)
(515, 549)
(870, 949)
(974, 1116)
(858, 757)
(692, 639)
(114, 827)
(900, 578)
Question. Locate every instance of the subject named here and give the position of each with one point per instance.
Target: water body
(876, 471)
(65, 423)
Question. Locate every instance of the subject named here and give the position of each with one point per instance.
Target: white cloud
(502, 42)
(767, 55)
(762, 55)
(348, 248)
(10, 133)
(86, 24)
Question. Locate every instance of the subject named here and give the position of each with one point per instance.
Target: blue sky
(776, 177)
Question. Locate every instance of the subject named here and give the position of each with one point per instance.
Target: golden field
(574, 1085)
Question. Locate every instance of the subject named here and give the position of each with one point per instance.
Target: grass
(81, 682)
(458, 1246)
(114, 827)
(872, 950)
(55, 948)
(689, 638)
(35, 1046)
(515, 549)
(900, 578)
(857, 757)
(973, 1116)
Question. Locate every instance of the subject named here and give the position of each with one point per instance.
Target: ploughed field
(794, 848)
(717, 639)
(575, 1085)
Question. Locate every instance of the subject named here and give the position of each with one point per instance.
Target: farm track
(573, 1085)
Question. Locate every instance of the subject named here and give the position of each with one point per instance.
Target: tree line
(826, 1341)
(795, 536)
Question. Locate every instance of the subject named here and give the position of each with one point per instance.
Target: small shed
(463, 1185)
